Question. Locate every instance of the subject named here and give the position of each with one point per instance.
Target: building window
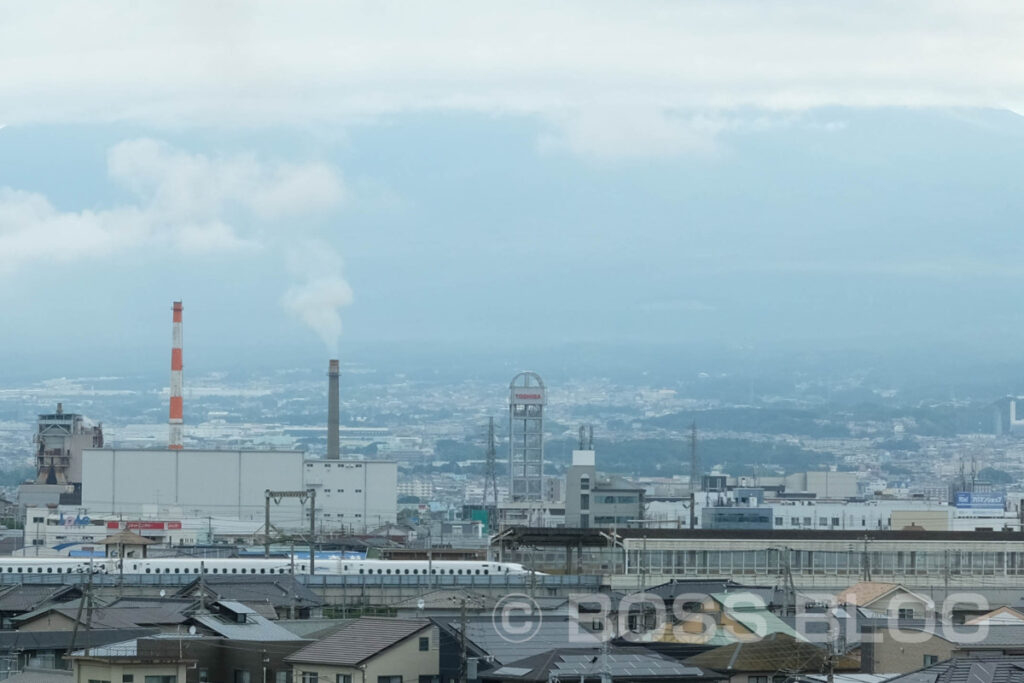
(282, 677)
(241, 676)
(906, 613)
(389, 679)
(778, 521)
(343, 678)
(204, 675)
(823, 521)
(308, 677)
(584, 501)
(585, 483)
(807, 521)
(127, 678)
(161, 679)
(757, 679)
(931, 659)
(424, 644)
(835, 521)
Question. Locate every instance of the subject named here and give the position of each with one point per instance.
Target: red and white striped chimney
(174, 440)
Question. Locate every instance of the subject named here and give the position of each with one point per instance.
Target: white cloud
(322, 293)
(618, 68)
(185, 202)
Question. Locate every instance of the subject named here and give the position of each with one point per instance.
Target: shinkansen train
(247, 566)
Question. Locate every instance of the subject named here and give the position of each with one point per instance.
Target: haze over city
(447, 342)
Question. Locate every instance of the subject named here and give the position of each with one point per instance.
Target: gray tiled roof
(630, 664)
(968, 670)
(256, 627)
(278, 590)
(489, 636)
(60, 640)
(359, 640)
(26, 597)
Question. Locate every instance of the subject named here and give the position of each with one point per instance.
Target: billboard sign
(980, 501)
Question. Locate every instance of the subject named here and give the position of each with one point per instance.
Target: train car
(255, 566)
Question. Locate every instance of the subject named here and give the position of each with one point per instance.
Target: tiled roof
(632, 664)
(358, 641)
(865, 592)
(25, 597)
(968, 670)
(277, 591)
(777, 652)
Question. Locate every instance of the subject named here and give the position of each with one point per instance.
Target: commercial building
(593, 500)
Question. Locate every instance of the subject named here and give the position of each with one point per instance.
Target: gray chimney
(333, 419)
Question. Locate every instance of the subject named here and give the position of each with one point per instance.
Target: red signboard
(528, 396)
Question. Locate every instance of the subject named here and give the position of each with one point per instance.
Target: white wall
(218, 483)
(358, 494)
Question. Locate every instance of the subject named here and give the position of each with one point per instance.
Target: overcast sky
(311, 175)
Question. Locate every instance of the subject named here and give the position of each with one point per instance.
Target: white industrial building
(157, 483)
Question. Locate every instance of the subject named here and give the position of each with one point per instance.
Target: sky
(318, 179)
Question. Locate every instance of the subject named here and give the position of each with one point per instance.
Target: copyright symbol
(516, 618)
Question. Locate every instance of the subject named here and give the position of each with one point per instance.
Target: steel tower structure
(526, 399)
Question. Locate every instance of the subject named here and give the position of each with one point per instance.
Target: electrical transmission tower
(491, 475)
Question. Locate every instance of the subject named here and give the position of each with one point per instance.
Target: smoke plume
(318, 299)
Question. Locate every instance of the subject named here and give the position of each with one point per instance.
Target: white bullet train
(252, 566)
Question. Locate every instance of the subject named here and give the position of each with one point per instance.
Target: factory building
(232, 484)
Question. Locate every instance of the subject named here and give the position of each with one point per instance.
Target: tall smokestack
(174, 440)
(333, 419)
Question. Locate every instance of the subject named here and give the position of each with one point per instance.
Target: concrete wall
(198, 483)
(931, 520)
(359, 494)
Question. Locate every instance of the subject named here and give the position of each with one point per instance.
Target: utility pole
(302, 496)
(866, 560)
(85, 600)
(694, 475)
(463, 623)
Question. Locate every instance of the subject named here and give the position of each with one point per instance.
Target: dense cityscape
(448, 342)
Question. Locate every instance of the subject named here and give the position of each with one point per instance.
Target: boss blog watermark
(742, 616)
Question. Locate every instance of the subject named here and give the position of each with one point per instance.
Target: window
(931, 659)
(389, 679)
(161, 679)
(585, 483)
(308, 677)
(204, 676)
(424, 643)
(778, 521)
(807, 521)
(584, 501)
(343, 678)
(127, 678)
(757, 679)
(835, 521)
(241, 676)
(282, 677)
(823, 521)
(93, 680)
(906, 613)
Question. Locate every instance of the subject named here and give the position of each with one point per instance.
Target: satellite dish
(420, 604)
(163, 593)
(191, 630)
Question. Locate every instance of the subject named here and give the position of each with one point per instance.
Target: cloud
(270, 64)
(318, 299)
(184, 201)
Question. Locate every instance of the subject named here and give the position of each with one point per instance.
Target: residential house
(371, 650)
(771, 659)
(890, 599)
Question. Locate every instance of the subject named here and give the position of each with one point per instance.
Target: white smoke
(318, 299)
